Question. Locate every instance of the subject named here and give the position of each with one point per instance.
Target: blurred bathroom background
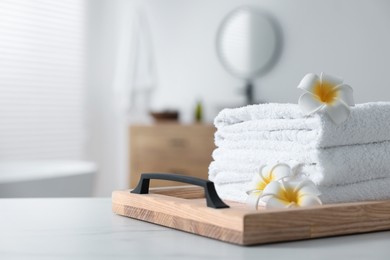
(79, 78)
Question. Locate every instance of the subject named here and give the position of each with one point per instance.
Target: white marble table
(87, 229)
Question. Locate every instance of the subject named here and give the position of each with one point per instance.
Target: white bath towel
(275, 139)
(367, 123)
(331, 166)
(249, 142)
(376, 189)
(223, 173)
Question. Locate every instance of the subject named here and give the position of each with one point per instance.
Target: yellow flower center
(265, 181)
(288, 195)
(325, 92)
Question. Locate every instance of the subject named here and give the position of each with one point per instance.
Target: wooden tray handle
(212, 198)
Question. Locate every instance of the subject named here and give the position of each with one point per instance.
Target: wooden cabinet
(172, 148)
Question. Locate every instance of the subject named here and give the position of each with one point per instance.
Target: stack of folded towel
(347, 162)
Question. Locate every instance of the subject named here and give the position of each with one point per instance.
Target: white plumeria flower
(291, 194)
(266, 175)
(326, 93)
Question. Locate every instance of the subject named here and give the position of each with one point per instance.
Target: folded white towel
(219, 174)
(377, 189)
(367, 123)
(331, 166)
(275, 140)
(248, 141)
(225, 172)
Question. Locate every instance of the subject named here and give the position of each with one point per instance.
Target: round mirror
(248, 43)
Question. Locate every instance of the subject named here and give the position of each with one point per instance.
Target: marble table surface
(85, 228)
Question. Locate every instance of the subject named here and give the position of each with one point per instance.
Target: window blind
(42, 79)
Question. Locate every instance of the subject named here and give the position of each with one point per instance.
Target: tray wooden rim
(184, 208)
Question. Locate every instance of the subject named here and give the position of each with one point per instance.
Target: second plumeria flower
(327, 93)
(291, 194)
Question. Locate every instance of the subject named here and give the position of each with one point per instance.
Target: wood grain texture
(172, 148)
(187, 211)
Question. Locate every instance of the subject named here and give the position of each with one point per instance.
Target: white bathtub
(46, 179)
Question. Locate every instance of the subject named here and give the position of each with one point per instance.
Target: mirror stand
(249, 97)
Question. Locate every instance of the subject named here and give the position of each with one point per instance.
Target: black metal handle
(212, 198)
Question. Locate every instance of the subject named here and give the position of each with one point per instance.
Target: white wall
(107, 142)
(348, 38)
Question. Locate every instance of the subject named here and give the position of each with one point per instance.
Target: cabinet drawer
(175, 148)
(195, 170)
(174, 138)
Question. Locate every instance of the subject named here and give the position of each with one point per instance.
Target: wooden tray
(184, 208)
